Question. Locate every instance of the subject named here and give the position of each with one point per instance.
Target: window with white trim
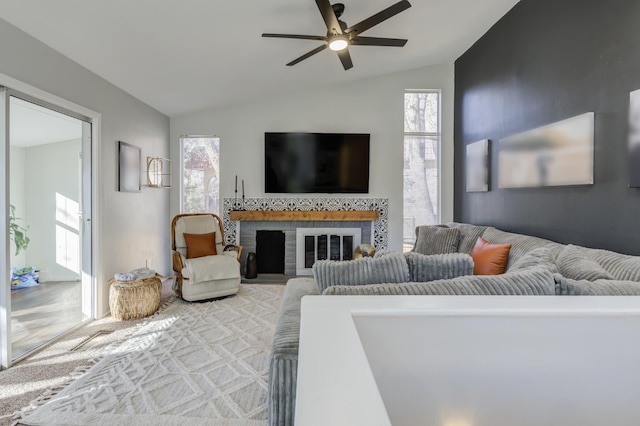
(200, 174)
(421, 161)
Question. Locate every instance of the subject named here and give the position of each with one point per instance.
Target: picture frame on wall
(634, 139)
(478, 166)
(557, 154)
(129, 167)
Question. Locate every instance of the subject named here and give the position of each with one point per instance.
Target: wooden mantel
(305, 216)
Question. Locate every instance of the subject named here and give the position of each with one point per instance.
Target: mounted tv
(329, 163)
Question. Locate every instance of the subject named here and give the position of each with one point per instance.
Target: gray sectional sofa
(535, 267)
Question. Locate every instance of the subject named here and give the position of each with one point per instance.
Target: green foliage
(17, 233)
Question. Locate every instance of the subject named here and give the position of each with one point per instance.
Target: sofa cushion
(575, 264)
(569, 287)
(436, 240)
(520, 244)
(390, 268)
(535, 282)
(468, 235)
(438, 266)
(540, 257)
(488, 258)
(621, 266)
(200, 245)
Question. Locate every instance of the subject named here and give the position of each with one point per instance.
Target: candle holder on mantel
(236, 205)
(242, 209)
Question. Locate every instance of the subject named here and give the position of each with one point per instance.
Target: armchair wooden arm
(233, 247)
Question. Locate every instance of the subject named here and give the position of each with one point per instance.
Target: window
(200, 174)
(421, 161)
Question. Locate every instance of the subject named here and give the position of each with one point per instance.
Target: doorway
(49, 180)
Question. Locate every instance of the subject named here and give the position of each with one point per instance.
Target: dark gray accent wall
(547, 60)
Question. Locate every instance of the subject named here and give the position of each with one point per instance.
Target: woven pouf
(134, 299)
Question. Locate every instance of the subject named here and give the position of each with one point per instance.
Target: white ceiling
(33, 125)
(184, 55)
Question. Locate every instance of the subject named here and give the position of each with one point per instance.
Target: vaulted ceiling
(184, 55)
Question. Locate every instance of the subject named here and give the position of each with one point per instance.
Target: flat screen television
(329, 163)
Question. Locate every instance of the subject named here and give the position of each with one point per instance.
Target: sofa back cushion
(388, 268)
(468, 235)
(621, 266)
(488, 258)
(424, 268)
(536, 282)
(537, 258)
(575, 264)
(436, 240)
(520, 244)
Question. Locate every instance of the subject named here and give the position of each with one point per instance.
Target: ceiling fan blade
(378, 41)
(329, 16)
(379, 17)
(307, 55)
(345, 58)
(296, 36)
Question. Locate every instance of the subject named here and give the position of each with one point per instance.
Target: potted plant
(17, 232)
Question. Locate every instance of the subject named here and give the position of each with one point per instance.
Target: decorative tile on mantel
(380, 227)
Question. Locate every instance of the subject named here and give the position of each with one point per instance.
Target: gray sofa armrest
(536, 282)
(424, 268)
(284, 353)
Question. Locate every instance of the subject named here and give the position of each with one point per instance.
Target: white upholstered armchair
(205, 268)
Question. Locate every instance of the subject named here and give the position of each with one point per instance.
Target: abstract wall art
(634, 139)
(129, 167)
(478, 166)
(557, 154)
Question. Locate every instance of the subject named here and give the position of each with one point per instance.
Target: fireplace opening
(313, 244)
(270, 246)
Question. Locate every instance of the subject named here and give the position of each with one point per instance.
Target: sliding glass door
(46, 208)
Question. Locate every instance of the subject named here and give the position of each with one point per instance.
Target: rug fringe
(47, 395)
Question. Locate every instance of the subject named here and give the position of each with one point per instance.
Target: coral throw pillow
(200, 245)
(489, 258)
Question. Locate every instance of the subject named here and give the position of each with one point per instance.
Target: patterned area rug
(191, 363)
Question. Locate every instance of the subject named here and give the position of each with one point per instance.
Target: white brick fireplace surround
(244, 233)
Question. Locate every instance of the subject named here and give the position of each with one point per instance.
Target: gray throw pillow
(388, 268)
(540, 257)
(575, 264)
(436, 240)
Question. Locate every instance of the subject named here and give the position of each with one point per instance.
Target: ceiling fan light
(338, 43)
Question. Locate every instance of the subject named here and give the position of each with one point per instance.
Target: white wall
(367, 106)
(52, 176)
(17, 193)
(133, 226)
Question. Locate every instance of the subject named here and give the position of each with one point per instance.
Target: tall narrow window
(421, 161)
(200, 174)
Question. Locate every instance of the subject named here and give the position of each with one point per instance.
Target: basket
(134, 299)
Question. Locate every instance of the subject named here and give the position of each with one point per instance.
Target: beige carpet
(191, 363)
(52, 367)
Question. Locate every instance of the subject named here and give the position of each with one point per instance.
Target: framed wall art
(634, 139)
(478, 166)
(129, 167)
(557, 154)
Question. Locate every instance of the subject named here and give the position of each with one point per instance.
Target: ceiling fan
(340, 36)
